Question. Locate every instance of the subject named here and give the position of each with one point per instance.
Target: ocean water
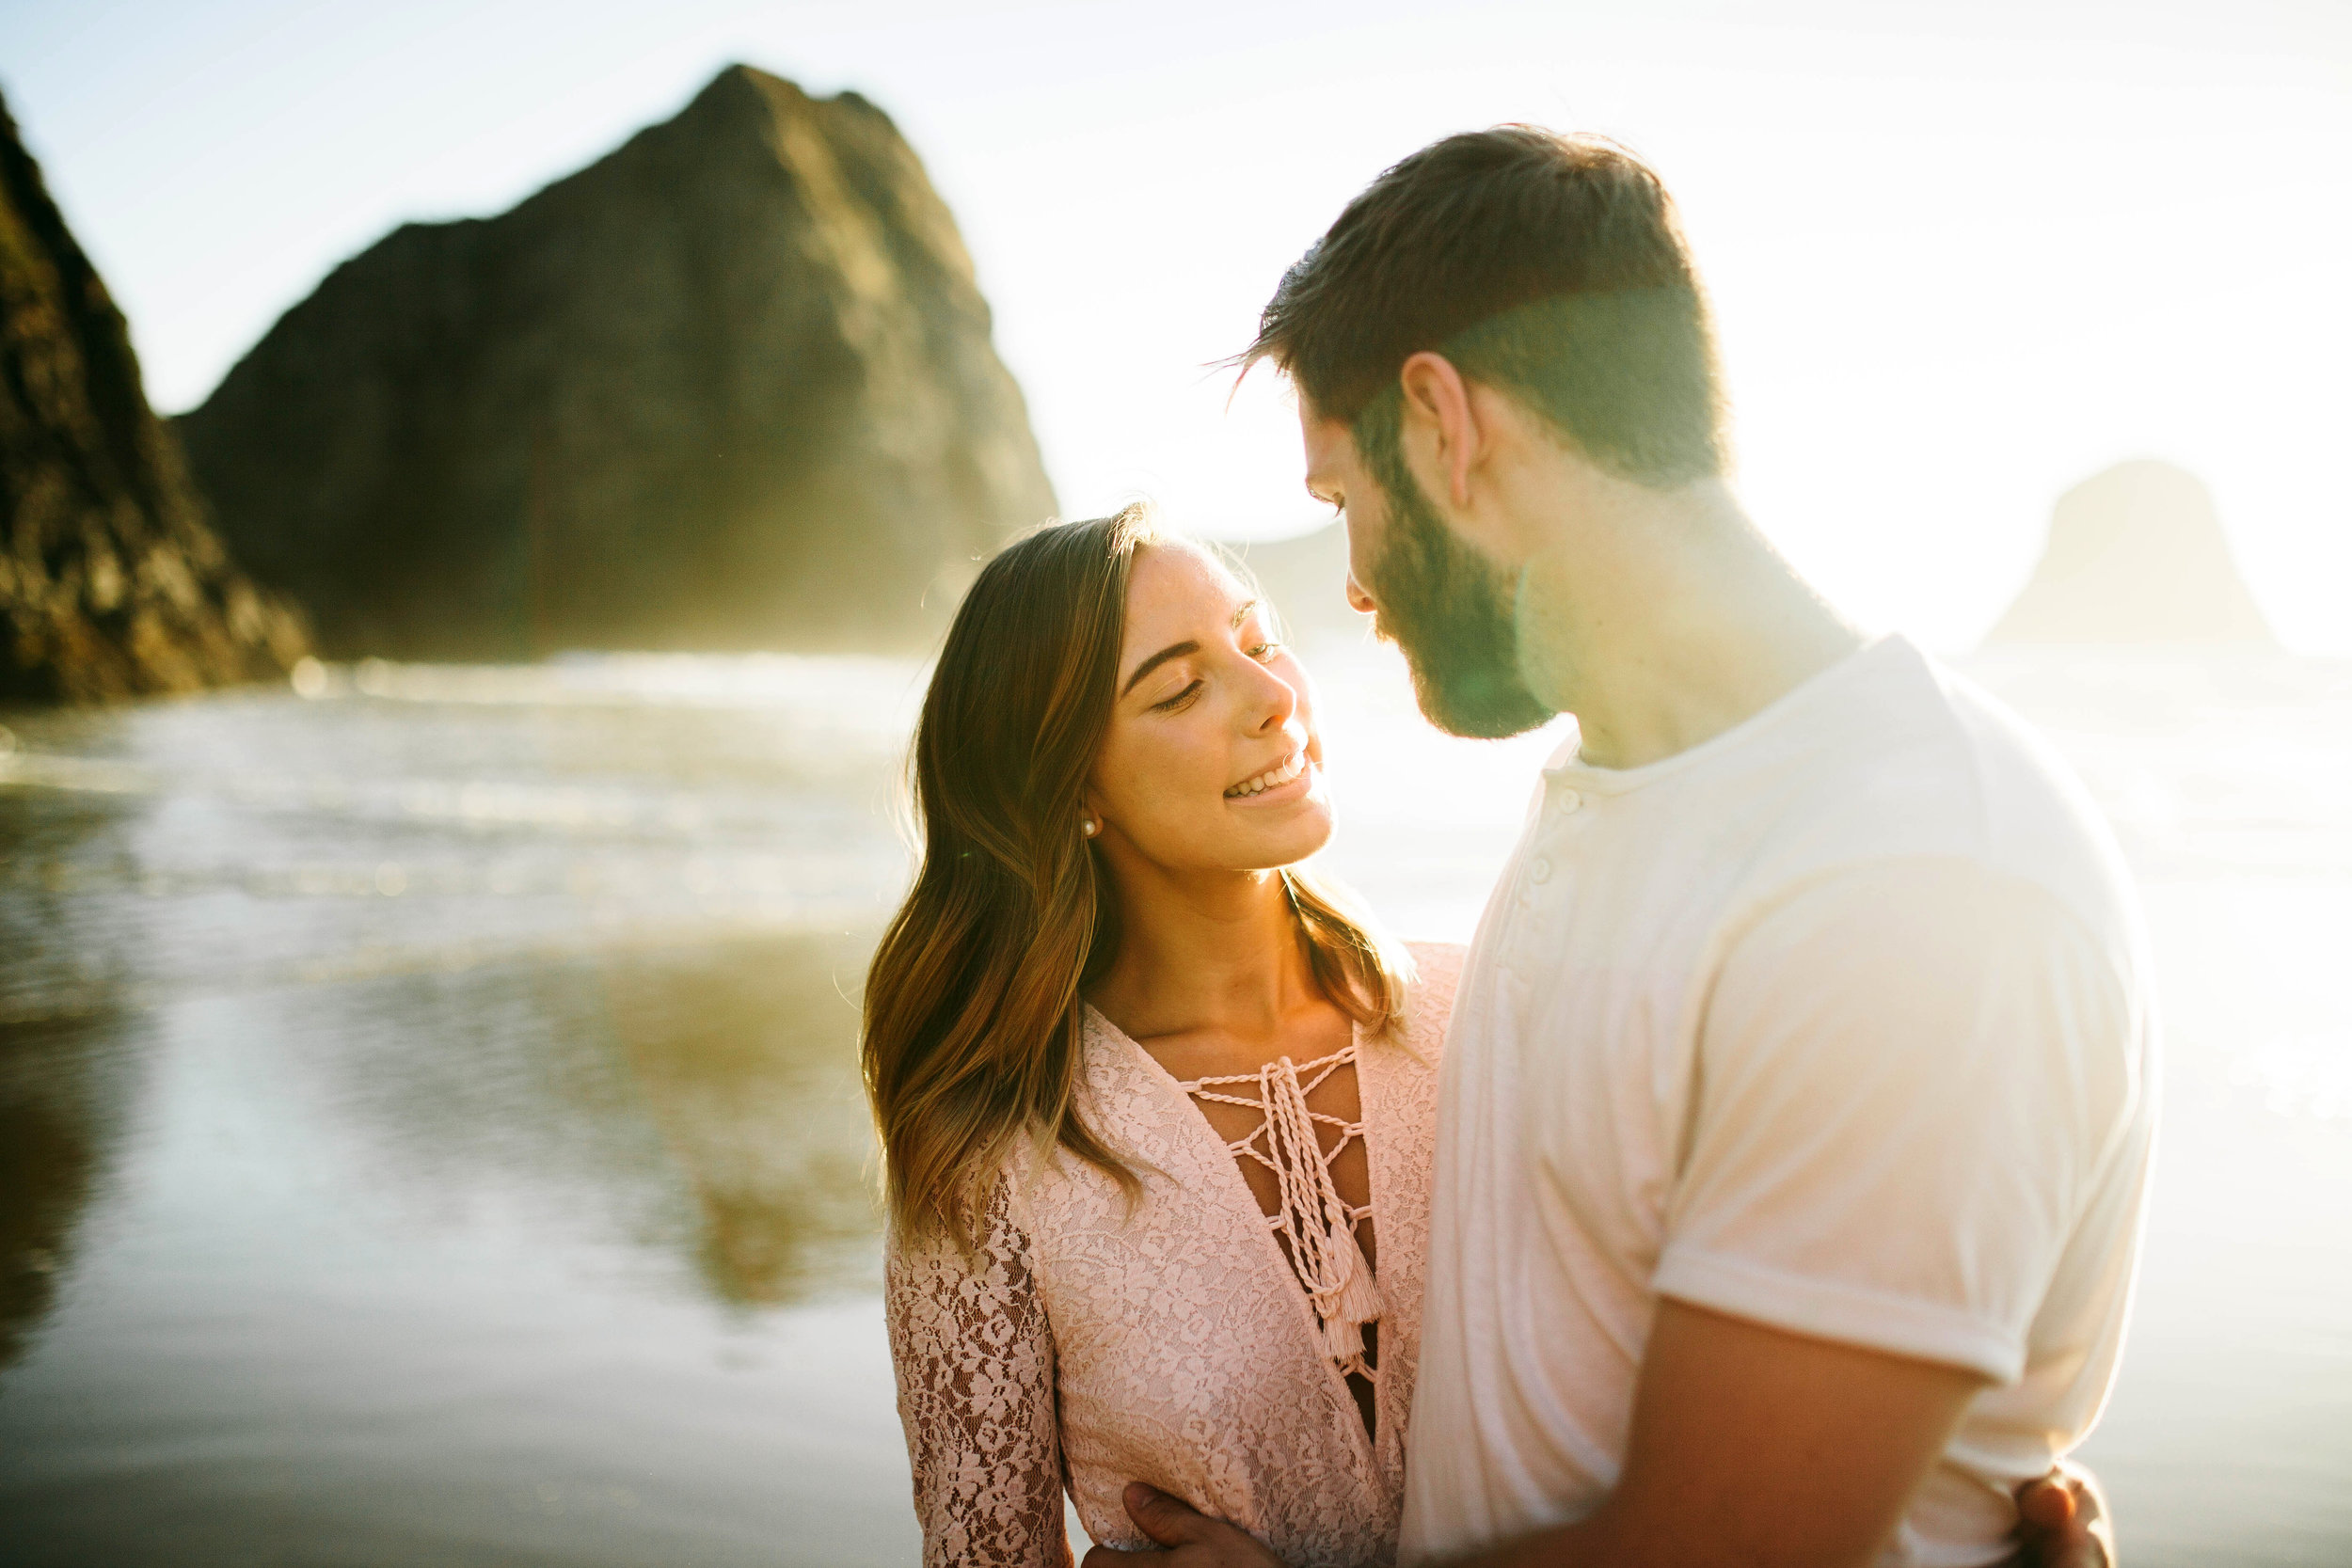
(429, 1127)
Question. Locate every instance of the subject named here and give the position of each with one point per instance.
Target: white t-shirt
(1838, 1023)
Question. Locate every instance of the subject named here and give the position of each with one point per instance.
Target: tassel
(1359, 1298)
(1343, 1342)
(1356, 1303)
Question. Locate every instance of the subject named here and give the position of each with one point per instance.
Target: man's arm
(1748, 1446)
(1757, 1447)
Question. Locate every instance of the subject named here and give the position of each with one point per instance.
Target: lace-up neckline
(1312, 1217)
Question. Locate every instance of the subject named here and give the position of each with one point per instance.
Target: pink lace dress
(1088, 1346)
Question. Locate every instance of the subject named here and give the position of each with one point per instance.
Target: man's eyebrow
(1174, 650)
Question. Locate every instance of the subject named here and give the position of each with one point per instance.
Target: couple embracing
(1763, 1184)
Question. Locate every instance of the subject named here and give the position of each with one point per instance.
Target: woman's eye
(1177, 701)
(1264, 651)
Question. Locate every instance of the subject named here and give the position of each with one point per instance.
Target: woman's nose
(1278, 701)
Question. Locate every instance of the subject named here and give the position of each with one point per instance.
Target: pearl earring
(1087, 825)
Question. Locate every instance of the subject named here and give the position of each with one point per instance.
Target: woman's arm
(975, 1360)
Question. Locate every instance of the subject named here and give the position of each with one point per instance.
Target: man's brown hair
(1550, 266)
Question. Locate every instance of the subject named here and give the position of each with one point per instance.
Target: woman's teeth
(1271, 778)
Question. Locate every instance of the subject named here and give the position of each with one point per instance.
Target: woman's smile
(1297, 769)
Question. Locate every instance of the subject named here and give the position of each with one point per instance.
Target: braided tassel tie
(1318, 1224)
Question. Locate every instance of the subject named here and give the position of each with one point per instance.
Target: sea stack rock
(730, 387)
(111, 584)
(2136, 555)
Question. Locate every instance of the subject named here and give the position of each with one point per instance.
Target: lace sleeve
(976, 1394)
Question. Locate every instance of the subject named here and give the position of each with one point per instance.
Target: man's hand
(2063, 1521)
(1187, 1538)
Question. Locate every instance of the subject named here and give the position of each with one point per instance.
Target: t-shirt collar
(1565, 768)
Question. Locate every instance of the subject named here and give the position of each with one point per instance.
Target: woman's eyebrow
(1178, 650)
(1174, 650)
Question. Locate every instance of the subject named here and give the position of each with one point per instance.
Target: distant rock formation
(111, 585)
(2136, 555)
(729, 386)
(1306, 578)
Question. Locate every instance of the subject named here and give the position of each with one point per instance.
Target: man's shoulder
(1920, 767)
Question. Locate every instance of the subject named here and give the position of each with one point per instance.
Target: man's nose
(1358, 600)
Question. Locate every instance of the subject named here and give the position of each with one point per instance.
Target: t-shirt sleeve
(1908, 1077)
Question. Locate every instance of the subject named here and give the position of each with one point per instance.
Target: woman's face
(1212, 761)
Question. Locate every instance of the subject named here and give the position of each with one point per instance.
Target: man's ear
(1440, 426)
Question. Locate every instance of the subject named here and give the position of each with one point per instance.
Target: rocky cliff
(729, 386)
(111, 585)
(2136, 555)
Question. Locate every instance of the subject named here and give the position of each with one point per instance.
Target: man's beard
(1450, 610)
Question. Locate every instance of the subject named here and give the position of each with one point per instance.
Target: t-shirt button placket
(1537, 873)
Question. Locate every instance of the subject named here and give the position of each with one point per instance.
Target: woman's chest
(1186, 1290)
(1187, 1350)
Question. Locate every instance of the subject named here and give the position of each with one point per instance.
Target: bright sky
(1963, 255)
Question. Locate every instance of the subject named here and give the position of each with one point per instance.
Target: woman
(1157, 1107)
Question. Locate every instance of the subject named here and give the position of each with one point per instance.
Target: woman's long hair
(974, 1017)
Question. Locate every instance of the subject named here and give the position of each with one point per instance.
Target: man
(1800, 1087)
